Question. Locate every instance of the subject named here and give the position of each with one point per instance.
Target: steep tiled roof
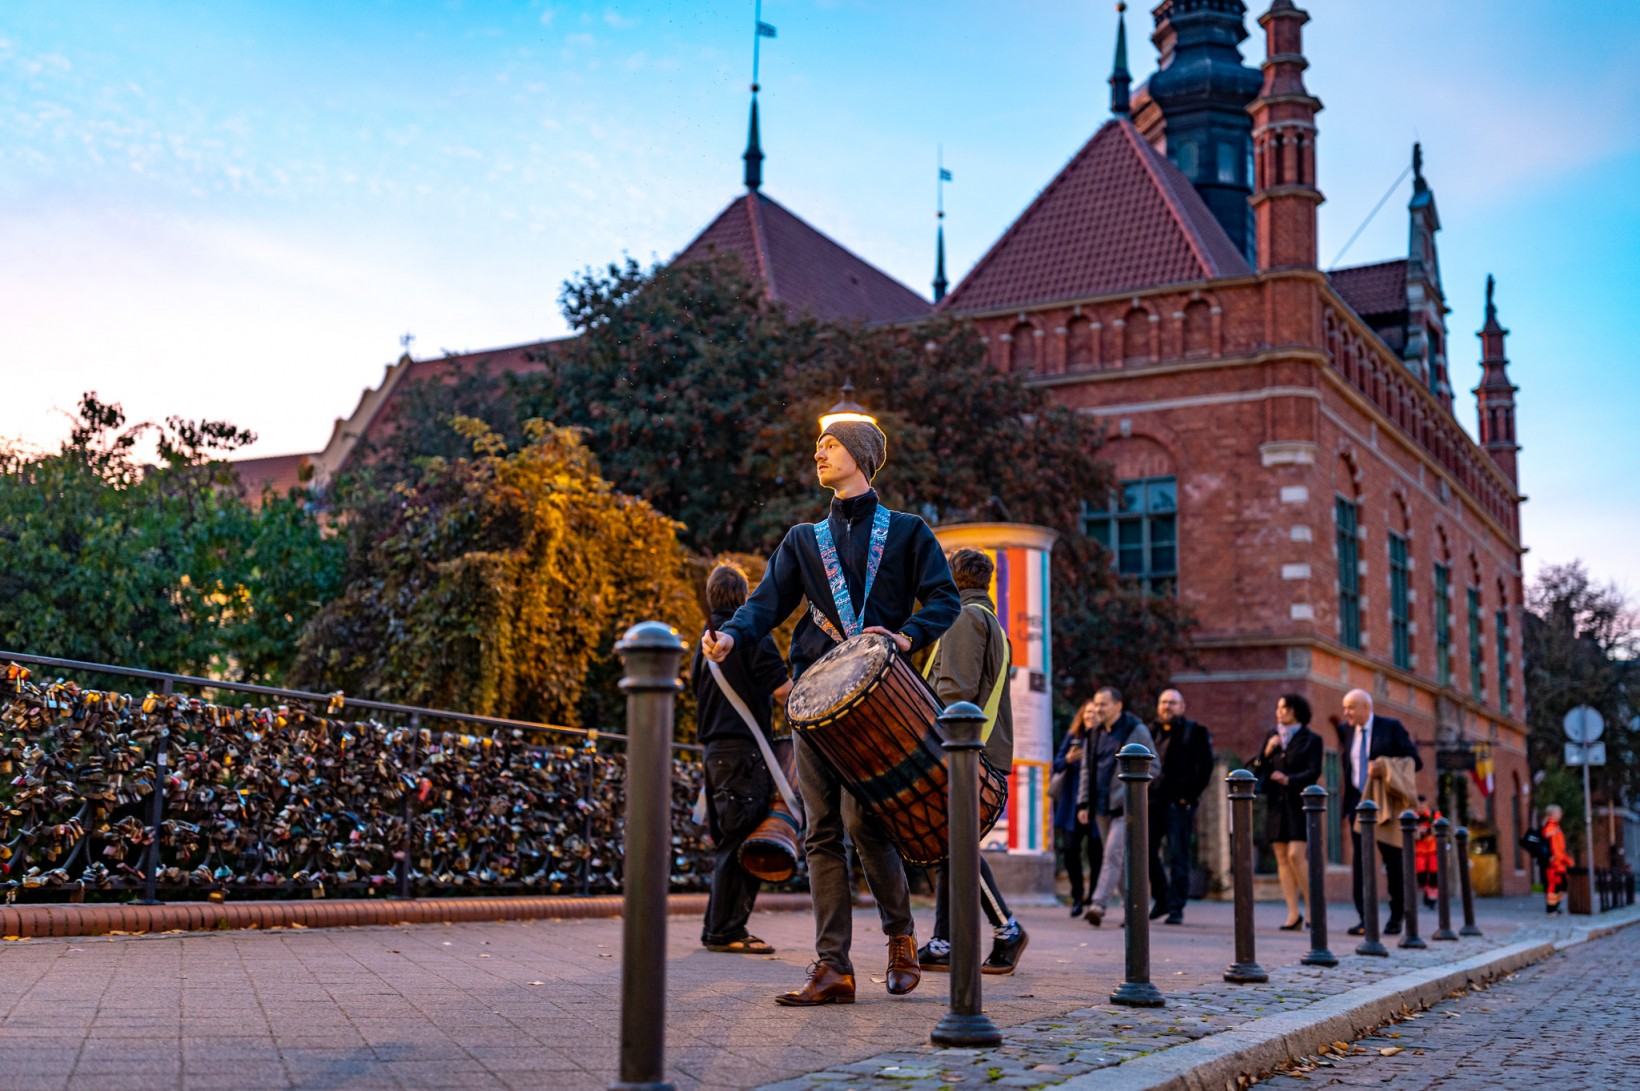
(1379, 288)
(1118, 216)
(803, 268)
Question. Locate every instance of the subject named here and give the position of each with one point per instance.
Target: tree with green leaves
(107, 557)
(1581, 647)
(700, 395)
(497, 582)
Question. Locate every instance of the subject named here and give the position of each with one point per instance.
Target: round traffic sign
(1584, 724)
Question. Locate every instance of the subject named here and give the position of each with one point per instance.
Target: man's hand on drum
(717, 645)
(901, 641)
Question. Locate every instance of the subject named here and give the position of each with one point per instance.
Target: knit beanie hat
(864, 442)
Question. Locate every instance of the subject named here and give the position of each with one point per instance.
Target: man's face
(1284, 715)
(1170, 706)
(1105, 710)
(1357, 710)
(832, 462)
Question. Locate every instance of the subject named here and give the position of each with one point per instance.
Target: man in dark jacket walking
(1184, 749)
(1101, 797)
(863, 569)
(971, 663)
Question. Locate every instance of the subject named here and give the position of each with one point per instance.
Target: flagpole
(757, 40)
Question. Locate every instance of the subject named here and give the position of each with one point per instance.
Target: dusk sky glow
(234, 209)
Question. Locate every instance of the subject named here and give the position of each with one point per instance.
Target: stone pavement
(535, 1003)
(1568, 1023)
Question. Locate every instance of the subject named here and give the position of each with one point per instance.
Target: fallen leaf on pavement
(1390, 1051)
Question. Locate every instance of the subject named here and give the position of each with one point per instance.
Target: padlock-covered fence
(302, 795)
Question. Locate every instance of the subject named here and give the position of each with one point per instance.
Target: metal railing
(189, 749)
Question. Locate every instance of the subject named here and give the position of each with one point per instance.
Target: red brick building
(1291, 461)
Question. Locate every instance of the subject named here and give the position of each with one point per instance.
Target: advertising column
(1020, 589)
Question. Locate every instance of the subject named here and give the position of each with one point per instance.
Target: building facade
(1290, 458)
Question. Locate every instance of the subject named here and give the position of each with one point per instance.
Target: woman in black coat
(1289, 763)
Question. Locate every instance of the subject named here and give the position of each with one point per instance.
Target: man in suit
(1373, 737)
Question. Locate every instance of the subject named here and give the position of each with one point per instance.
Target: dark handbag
(1056, 785)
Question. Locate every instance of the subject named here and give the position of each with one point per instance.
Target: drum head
(839, 678)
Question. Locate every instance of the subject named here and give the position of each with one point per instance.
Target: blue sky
(234, 209)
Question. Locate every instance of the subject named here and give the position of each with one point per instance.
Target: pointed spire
(1495, 395)
(754, 149)
(1492, 325)
(1119, 78)
(940, 283)
(1418, 183)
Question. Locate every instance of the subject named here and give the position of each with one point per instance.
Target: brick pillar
(1284, 161)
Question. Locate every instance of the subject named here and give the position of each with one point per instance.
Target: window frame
(1443, 624)
(1477, 646)
(1400, 602)
(1348, 539)
(1105, 525)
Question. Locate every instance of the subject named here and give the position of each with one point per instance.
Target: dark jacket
(1390, 739)
(1064, 808)
(967, 664)
(913, 569)
(1300, 760)
(755, 670)
(1186, 752)
(1099, 790)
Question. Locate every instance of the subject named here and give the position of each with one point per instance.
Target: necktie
(1361, 758)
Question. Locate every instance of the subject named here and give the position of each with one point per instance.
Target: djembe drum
(770, 851)
(874, 720)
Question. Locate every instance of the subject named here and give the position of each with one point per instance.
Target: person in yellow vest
(971, 663)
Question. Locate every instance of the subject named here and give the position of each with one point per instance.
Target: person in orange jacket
(1425, 853)
(1559, 859)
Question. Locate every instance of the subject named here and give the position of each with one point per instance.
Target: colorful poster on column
(1020, 589)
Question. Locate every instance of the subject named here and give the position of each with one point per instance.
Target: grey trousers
(831, 810)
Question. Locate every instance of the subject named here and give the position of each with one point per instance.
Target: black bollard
(1137, 991)
(1443, 881)
(1461, 861)
(966, 1024)
(1245, 970)
(1410, 893)
(650, 651)
(1366, 821)
(1315, 835)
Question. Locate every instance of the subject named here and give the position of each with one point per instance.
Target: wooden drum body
(770, 851)
(875, 721)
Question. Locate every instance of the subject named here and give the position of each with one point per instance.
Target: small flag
(766, 30)
(945, 175)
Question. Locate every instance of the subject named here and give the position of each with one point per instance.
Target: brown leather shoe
(824, 986)
(904, 971)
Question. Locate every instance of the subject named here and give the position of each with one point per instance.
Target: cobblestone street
(1567, 1024)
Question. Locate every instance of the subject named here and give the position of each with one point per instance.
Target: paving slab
(533, 1003)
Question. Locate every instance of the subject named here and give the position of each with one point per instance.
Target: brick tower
(1285, 195)
(1495, 396)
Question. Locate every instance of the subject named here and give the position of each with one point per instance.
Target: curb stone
(31, 921)
(1263, 1044)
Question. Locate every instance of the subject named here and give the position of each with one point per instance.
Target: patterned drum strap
(839, 586)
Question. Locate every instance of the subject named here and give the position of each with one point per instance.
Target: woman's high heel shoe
(1294, 925)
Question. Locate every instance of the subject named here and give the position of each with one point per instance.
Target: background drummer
(909, 568)
(971, 664)
(739, 788)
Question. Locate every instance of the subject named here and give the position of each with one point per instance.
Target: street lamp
(846, 410)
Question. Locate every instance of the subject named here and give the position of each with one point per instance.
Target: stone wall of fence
(289, 801)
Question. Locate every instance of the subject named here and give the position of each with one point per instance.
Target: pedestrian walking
(1078, 840)
(1373, 744)
(863, 568)
(971, 663)
(1100, 799)
(739, 785)
(1289, 762)
(1184, 751)
(1560, 861)
(1427, 854)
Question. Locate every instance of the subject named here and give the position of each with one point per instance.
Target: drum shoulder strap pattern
(838, 584)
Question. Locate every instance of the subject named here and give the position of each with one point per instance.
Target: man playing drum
(862, 570)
